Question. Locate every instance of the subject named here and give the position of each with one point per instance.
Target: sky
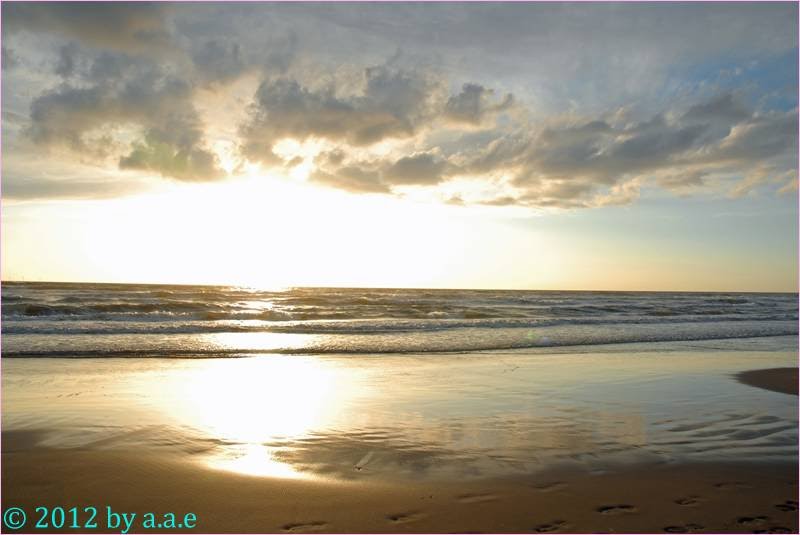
(586, 146)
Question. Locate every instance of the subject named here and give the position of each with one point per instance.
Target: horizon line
(345, 287)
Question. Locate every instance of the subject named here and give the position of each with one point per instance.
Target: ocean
(41, 319)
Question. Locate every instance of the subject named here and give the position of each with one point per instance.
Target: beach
(399, 267)
(675, 499)
(658, 437)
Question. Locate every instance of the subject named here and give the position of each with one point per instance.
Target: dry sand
(782, 380)
(655, 498)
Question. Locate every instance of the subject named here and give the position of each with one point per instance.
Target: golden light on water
(254, 460)
(245, 406)
(259, 341)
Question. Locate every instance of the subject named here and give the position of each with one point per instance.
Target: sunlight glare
(246, 406)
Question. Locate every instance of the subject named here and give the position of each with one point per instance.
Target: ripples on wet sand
(538, 422)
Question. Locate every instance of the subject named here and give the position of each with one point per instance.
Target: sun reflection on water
(261, 341)
(254, 460)
(245, 405)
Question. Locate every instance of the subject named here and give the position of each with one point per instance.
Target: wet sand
(783, 380)
(629, 439)
(704, 497)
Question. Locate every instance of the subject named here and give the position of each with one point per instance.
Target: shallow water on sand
(416, 416)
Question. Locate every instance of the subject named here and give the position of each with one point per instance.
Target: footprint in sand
(547, 487)
(550, 527)
(686, 528)
(476, 498)
(364, 461)
(788, 506)
(689, 501)
(302, 527)
(732, 485)
(404, 518)
(751, 520)
(616, 509)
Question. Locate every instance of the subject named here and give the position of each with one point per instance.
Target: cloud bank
(374, 105)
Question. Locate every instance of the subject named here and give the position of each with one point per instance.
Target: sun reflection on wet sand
(254, 460)
(247, 404)
(310, 416)
(448, 417)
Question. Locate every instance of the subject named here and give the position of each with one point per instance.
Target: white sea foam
(51, 319)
